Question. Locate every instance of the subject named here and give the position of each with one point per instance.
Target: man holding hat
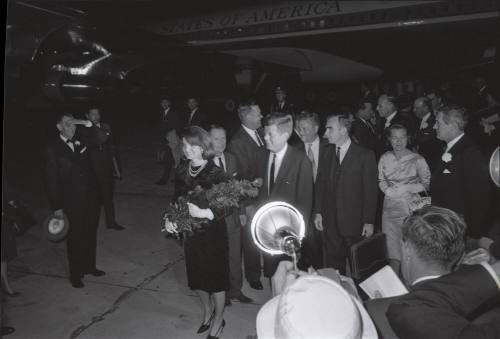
(72, 193)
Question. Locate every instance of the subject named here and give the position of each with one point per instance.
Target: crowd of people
(351, 173)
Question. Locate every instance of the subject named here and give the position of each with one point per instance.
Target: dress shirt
(251, 133)
(165, 112)
(453, 142)
(70, 145)
(423, 123)
(491, 271)
(193, 112)
(343, 149)
(315, 150)
(426, 277)
(223, 159)
(389, 118)
(277, 163)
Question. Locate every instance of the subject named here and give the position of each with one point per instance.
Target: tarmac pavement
(144, 293)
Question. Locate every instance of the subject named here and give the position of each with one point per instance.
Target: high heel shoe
(206, 326)
(219, 331)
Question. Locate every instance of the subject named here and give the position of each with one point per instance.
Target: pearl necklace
(193, 172)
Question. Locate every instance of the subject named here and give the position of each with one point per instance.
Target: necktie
(369, 126)
(337, 154)
(259, 140)
(310, 155)
(221, 164)
(271, 174)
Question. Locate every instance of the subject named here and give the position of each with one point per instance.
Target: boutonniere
(77, 143)
(446, 157)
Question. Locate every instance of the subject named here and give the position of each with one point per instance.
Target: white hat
(314, 307)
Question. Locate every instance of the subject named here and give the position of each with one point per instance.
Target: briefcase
(368, 256)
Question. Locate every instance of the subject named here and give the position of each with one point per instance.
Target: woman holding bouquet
(402, 176)
(206, 248)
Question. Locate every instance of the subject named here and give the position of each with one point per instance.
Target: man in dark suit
(281, 104)
(346, 198)
(247, 146)
(170, 129)
(227, 162)
(307, 126)
(388, 111)
(441, 303)
(460, 180)
(426, 141)
(288, 175)
(363, 132)
(71, 189)
(195, 117)
(101, 149)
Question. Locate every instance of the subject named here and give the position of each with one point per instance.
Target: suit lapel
(348, 156)
(285, 165)
(454, 150)
(66, 149)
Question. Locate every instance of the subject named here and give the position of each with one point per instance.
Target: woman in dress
(206, 250)
(402, 176)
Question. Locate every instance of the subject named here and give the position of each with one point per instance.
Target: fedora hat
(56, 229)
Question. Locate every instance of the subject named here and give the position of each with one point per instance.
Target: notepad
(383, 284)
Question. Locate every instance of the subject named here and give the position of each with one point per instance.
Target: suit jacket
(199, 119)
(287, 107)
(101, 148)
(171, 121)
(441, 307)
(409, 121)
(367, 137)
(68, 176)
(462, 185)
(427, 144)
(249, 156)
(232, 220)
(323, 147)
(346, 195)
(293, 184)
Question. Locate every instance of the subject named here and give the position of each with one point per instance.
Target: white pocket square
(83, 149)
(446, 171)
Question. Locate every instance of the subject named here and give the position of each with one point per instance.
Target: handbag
(420, 202)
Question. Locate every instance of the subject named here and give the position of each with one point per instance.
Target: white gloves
(170, 227)
(196, 212)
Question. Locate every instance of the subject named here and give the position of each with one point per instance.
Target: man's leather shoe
(116, 227)
(242, 299)
(77, 283)
(256, 285)
(97, 273)
(6, 330)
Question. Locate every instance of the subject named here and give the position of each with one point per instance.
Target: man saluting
(71, 190)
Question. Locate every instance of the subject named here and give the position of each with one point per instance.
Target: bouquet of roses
(221, 196)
